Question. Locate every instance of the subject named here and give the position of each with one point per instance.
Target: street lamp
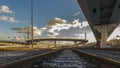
(32, 23)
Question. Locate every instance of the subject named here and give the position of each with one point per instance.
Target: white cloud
(77, 13)
(55, 21)
(5, 9)
(8, 19)
(115, 32)
(61, 28)
(44, 28)
(58, 29)
(37, 31)
(85, 24)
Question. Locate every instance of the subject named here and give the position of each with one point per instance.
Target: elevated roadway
(75, 40)
(58, 39)
(13, 42)
(68, 57)
(103, 17)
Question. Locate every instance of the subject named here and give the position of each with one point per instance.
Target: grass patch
(18, 49)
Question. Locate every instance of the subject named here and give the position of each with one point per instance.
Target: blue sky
(17, 13)
(44, 10)
(21, 11)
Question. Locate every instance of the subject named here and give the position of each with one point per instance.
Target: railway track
(67, 58)
(9, 56)
(105, 58)
(26, 61)
(115, 55)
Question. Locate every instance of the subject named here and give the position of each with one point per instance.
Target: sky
(52, 18)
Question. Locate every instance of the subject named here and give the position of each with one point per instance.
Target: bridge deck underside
(100, 12)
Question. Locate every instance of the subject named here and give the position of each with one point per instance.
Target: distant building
(114, 42)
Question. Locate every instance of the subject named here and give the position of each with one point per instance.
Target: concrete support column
(75, 42)
(85, 36)
(55, 43)
(104, 29)
(28, 35)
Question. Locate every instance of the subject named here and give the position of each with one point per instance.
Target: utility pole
(32, 23)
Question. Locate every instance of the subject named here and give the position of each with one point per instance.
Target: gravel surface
(8, 56)
(64, 59)
(104, 53)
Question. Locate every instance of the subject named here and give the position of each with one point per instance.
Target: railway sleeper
(86, 62)
(93, 59)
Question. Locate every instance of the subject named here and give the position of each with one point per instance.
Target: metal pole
(32, 23)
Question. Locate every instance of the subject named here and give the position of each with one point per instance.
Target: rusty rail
(103, 61)
(28, 62)
(109, 49)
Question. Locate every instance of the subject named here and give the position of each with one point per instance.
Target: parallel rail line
(104, 61)
(28, 62)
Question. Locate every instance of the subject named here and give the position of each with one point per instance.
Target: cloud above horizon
(37, 31)
(115, 33)
(6, 14)
(5, 9)
(8, 19)
(60, 28)
(77, 13)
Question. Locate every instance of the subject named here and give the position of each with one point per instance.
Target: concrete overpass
(75, 40)
(13, 42)
(103, 17)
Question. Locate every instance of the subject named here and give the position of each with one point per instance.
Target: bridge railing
(57, 38)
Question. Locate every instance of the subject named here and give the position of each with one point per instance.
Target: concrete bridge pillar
(104, 29)
(55, 43)
(75, 42)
